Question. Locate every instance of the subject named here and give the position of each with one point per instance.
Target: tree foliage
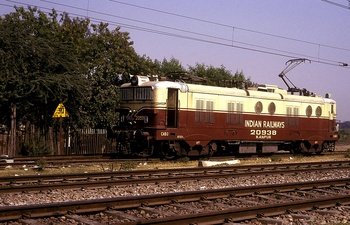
(110, 59)
(40, 66)
(50, 58)
(169, 66)
(220, 76)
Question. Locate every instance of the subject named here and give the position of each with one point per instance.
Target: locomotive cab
(136, 112)
(147, 109)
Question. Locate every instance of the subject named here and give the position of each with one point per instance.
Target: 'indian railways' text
(264, 124)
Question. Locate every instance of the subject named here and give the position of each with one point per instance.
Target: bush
(128, 166)
(275, 159)
(344, 135)
(41, 164)
(36, 146)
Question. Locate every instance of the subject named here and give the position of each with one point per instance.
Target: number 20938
(263, 132)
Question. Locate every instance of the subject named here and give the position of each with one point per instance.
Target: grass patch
(126, 166)
(276, 159)
(183, 160)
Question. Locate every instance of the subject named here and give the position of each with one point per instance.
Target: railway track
(65, 160)
(17, 184)
(110, 158)
(217, 206)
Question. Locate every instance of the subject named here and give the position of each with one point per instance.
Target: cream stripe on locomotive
(247, 100)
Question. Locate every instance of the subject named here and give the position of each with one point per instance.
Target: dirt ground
(342, 146)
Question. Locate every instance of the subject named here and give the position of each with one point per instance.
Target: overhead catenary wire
(338, 4)
(228, 26)
(316, 59)
(197, 36)
(187, 17)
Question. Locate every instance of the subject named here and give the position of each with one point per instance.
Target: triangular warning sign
(60, 111)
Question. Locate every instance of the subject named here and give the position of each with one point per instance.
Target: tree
(40, 65)
(46, 59)
(51, 58)
(219, 76)
(110, 59)
(173, 65)
(146, 66)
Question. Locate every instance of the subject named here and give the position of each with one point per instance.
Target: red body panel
(249, 128)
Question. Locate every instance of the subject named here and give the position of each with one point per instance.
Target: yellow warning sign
(60, 111)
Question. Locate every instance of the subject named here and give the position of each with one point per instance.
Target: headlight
(134, 80)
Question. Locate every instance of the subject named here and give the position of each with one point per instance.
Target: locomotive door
(172, 108)
(332, 125)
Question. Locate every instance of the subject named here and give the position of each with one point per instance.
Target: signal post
(60, 113)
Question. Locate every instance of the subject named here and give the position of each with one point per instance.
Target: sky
(253, 36)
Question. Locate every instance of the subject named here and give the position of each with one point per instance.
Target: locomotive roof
(161, 84)
(279, 94)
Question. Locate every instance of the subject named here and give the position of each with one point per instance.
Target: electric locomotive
(176, 118)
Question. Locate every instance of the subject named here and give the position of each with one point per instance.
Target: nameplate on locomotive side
(265, 129)
(264, 124)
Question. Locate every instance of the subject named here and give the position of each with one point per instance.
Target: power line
(229, 43)
(338, 4)
(190, 32)
(139, 21)
(192, 18)
(229, 26)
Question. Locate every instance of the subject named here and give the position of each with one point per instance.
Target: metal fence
(89, 141)
(33, 142)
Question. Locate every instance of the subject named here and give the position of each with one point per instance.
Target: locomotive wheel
(331, 147)
(213, 147)
(167, 152)
(305, 147)
(328, 146)
(295, 148)
(318, 149)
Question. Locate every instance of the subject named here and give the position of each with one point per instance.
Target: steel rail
(64, 159)
(152, 179)
(89, 206)
(240, 214)
(53, 160)
(156, 172)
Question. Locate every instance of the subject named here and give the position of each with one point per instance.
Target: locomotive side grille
(143, 94)
(128, 94)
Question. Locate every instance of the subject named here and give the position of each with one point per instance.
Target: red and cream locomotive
(180, 119)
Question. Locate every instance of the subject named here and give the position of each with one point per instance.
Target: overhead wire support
(343, 64)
